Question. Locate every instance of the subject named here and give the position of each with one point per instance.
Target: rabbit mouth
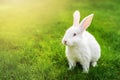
(65, 43)
(68, 44)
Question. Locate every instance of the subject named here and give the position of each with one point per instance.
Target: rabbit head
(77, 30)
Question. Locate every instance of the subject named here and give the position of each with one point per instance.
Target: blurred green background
(31, 33)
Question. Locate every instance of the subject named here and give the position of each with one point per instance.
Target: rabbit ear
(86, 22)
(76, 18)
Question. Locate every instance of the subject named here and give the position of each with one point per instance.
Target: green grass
(31, 33)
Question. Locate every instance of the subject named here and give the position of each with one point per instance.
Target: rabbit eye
(74, 34)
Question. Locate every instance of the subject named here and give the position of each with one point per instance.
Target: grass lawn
(31, 33)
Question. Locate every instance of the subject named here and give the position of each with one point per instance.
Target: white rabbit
(81, 46)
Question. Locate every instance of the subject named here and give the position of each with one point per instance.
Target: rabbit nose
(65, 42)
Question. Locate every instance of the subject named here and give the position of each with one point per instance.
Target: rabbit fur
(81, 46)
